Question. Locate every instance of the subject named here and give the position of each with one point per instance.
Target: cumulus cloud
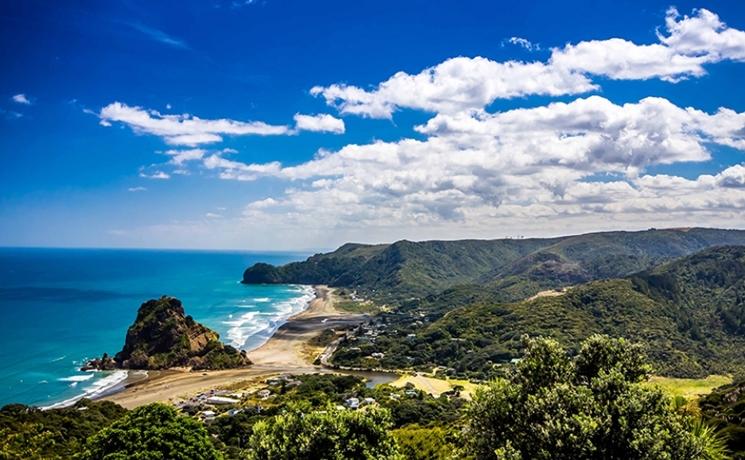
(732, 177)
(464, 83)
(319, 123)
(539, 161)
(184, 129)
(456, 84)
(21, 99)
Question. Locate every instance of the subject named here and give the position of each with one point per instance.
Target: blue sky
(456, 154)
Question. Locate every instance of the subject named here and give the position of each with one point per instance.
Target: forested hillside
(512, 269)
(689, 313)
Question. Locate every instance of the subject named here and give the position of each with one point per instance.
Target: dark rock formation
(163, 336)
(105, 363)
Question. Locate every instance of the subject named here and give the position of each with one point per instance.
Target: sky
(295, 125)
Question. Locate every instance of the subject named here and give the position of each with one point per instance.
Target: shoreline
(286, 351)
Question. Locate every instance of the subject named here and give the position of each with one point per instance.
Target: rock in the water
(105, 363)
(163, 336)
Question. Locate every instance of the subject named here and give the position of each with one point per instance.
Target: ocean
(60, 307)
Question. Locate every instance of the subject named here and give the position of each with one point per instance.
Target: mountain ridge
(518, 268)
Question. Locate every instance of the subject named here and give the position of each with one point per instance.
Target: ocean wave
(77, 378)
(98, 388)
(262, 299)
(262, 325)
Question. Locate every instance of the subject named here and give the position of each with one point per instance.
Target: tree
(152, 432)
(590, 407)
(331, 434)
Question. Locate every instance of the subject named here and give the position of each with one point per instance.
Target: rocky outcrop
(104, 363)
(163, 336)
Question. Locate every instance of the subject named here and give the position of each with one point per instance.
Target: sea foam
(260, 325)
(77, 378)
(97, 388)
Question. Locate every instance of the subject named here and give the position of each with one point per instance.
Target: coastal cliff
(163, 336)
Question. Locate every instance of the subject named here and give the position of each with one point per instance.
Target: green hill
(513, 268)
(689, 313)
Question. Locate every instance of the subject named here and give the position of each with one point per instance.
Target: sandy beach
(287, 351)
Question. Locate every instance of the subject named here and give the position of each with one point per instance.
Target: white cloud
(155, 175)
(456, 84)
(524, 43)
(179, 157)
(463, 83)
(319, 123)
(690, 43)
(21, 99)
(137, 189)
(732, 177)
(236, 170)
(184, 129)
(488, 168)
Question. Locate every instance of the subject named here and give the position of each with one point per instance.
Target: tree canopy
(592, 406)
(330, 434)
(152, 432)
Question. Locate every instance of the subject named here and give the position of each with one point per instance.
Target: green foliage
(318, 391)
(425, 443)
(328, 434)
(724, 408)
(29, 433)
(152, 432)
(587, 408)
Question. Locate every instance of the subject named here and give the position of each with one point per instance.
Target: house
(264, 393)
(352, 403)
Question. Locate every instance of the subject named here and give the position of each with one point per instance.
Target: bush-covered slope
(514, 268)
(687, 313)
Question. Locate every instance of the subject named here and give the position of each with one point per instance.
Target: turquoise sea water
(59, 307)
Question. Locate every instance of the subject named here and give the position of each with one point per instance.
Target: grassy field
(434, 386)
(690, 388)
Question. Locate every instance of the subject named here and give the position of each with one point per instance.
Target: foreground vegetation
(551, 405)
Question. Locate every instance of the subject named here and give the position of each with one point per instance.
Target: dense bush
(330, 434)
(152, 432)
(592, 407)
(28, 433)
